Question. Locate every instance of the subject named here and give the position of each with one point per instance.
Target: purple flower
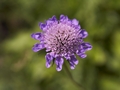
(62, 39)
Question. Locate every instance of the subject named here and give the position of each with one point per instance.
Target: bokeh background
(22, 69)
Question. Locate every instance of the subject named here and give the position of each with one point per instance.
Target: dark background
(22, 69)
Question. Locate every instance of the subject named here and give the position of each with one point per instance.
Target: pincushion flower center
(62, 39)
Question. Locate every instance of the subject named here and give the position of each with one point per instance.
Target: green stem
(72, 79)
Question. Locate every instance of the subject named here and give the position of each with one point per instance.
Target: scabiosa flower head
(62, 39)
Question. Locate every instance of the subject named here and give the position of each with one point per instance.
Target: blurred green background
(22, 69)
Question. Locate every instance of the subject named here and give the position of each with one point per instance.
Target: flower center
(62, 39)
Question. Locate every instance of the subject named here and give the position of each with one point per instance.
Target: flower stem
(72, 79)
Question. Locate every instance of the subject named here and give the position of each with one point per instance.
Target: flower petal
(42, 26)
(82, 55)
(80, 51)
(59, 62)
(53, 18)
(86, 46)
(84, 33)
(52, 21)
(37, 47)
(66, 56)
(72, 61)
(78, 27)
(75, 22)
(72, 65)
(69, 22)
(63, 18)
(36, 36)
(49, 59)
(73, 58)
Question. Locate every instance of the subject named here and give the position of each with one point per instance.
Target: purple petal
(80, 51)
(53, 18)
(51, 21)
(37, 47)
(82, 55)
(63, 18)
(78, 27)
(36, 36)
(72, 65)
(72, 61)
(42, 26)
(59, 67)
(49, 59)
(75, 22)
(84, 33)
(67, 56)
(86, 46)
(73, 58)
(69, 22)
(59, 62)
